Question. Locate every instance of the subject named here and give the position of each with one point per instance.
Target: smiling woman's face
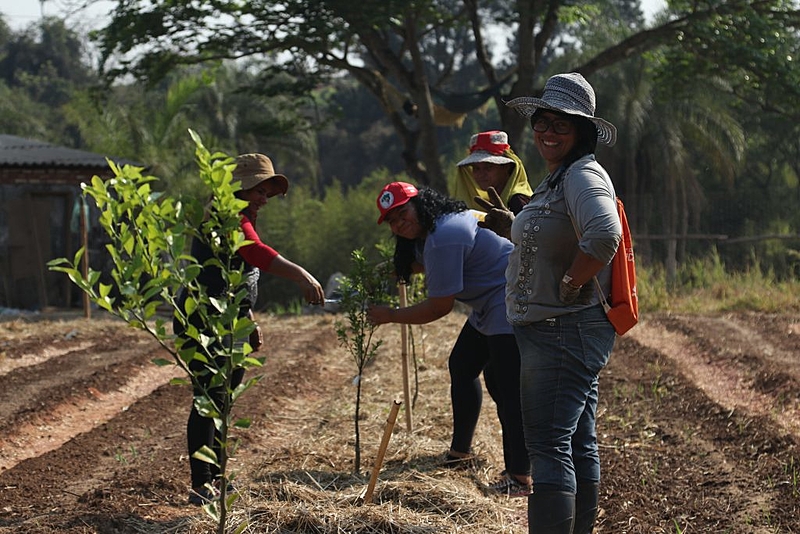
(554, 147)
(404, 222)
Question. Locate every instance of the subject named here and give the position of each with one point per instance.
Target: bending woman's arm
(425, 312)
(268, 260)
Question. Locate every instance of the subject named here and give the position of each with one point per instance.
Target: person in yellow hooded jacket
(492, 163)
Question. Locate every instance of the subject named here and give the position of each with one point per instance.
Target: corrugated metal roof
(20, 152)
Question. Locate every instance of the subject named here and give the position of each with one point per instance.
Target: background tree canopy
(345, 94)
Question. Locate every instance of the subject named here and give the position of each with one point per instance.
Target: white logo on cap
(387, 199)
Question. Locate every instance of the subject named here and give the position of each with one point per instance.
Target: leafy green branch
(149, 235)
(366, 284)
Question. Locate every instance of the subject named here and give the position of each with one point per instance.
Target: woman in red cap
(259, 183)
(440, 237)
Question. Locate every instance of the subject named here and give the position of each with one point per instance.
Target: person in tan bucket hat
(259, 183)
(252, 169)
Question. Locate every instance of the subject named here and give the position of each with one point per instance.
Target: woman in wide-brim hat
(562, 331)
(492, 163)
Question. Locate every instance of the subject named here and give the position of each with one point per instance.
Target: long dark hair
(586, 142)
(430, 206)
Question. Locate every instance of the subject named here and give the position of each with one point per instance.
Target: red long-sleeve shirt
(258, 253)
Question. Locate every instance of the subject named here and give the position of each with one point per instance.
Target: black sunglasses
(560, 126)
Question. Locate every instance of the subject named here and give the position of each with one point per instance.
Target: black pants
(498, 358)
(201, 430)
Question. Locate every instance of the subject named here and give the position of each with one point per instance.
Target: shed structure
(40, 199)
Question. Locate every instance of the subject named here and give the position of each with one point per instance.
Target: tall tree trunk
(429, 147)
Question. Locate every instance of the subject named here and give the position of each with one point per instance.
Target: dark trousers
(498, 358)
(201, 430)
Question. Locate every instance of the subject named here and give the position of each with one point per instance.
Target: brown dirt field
(699, 427)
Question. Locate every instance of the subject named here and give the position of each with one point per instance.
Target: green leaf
(206, 454)
(212, 510)
(220, 305)
(57, 261)
(151, 308)
(106, 303)
(242, 327)
(190, 305)
(243, 422)
(161, 362)
(230, 499)
(254, 362)
(205, 406)
(104, 290)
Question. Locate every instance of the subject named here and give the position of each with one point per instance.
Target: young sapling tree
(366, 284)
(149, 233)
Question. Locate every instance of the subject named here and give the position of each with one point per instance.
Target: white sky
(20, 13)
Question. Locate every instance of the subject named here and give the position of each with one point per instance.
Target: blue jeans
(561, 359)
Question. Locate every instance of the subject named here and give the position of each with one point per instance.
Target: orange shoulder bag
(622, 308)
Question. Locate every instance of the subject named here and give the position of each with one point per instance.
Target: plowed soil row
(698, 426)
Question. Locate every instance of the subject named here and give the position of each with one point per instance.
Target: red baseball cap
(393, 195)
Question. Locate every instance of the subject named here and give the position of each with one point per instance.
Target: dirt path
(707, 446)
(736, 361)
(64, 391)
(698, 425)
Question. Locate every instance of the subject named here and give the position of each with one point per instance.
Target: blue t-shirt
(468, 262)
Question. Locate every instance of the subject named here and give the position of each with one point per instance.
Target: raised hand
(498, 217)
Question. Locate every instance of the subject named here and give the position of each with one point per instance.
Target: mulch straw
(303, 481)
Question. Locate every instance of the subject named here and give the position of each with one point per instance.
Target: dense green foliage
(705, 100)
(149, 234)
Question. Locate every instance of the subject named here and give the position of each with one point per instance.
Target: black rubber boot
(551, 512)
(586, 507)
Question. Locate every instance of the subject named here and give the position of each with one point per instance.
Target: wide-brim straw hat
(252, 169)
(487, 147)
(571, 94)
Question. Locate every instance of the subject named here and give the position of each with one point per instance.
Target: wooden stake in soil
(387, 433)
(87, 310)
(404, 356)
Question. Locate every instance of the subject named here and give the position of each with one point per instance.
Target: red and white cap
(393, 195)
(488, 147)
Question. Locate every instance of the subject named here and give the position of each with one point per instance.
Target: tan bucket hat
(252, 169)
